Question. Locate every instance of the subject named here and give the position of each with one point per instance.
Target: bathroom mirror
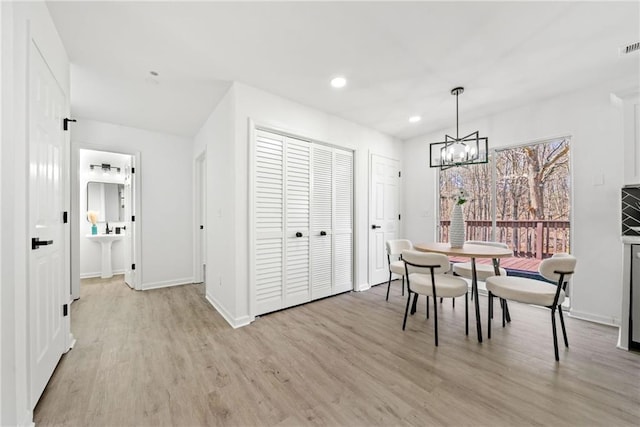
(107, 199)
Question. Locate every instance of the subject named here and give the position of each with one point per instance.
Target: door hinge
(399, 174)
(65, 217)
(133, 218)
(202, 227)
(65, 123)
(399, 217)
(133, 170)
(133, 266)
(65, 310)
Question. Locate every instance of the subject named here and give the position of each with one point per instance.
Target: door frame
(76, 212)
(200, 217)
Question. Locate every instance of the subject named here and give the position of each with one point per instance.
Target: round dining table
(472, 252)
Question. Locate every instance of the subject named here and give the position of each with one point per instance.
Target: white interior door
(48, 293)
(384, 214)
(321, 231)
(129, 240)
(342, 221)
(201, 215)
(297, 280)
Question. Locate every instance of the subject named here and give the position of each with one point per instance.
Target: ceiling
(400, 58)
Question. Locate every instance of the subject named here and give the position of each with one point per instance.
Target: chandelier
(468, 150)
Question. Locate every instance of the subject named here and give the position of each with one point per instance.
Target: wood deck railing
(529, 239)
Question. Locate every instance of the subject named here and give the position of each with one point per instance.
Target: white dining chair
(558, 269)
(425, 276)
(394, 259)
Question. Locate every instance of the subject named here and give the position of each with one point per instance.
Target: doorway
(200, 209)
(105, 223)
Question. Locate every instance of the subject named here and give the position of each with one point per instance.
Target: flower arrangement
(460, 196)
(92, 216)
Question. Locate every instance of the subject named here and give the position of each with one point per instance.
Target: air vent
(633, 47)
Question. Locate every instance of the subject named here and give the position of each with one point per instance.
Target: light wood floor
(165, 357)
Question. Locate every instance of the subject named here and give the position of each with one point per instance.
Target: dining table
(471, 251)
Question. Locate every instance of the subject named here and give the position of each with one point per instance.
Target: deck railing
(529, 239)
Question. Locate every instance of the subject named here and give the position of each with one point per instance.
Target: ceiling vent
(633, 47)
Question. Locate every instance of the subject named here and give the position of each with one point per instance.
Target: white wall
(595, 125)
(268, 110)
(91, 251)
(21, 22)
(166, 214)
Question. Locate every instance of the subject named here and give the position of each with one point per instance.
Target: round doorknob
(323, 233)
(373, 227)
(298, 234)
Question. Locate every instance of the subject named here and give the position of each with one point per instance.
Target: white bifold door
(303, 221)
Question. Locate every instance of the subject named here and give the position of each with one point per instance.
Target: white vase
(456, 229)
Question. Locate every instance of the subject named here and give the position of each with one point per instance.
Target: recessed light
(414, 119)
(339, 82)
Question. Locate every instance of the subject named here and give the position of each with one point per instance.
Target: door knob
(373, 227)
(323, 233)
(36, 243)
(298, 234)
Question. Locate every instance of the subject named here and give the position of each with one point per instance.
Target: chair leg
(555, 334)
(564, 331)
(466, 313)
(402, 285)
(489, 314)
(506, 311)
(415, 303)
(503, 312)
(428, 307)
(435, 318)
(406, 311)
(388, 287)
(440, 300)
(453, 302)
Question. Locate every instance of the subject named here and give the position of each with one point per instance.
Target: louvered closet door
(343, 221)
(297, 167)
(269, 222)
(321, 221)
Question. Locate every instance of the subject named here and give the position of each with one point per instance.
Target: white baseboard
(98, 274)
(609, 321)
(167, 283)
(27, 420)
(234, 322)
(363, 287)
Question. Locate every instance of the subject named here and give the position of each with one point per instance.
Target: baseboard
(234, 322)
(609, 321)
(167, 283)
(27, 421)
(98, 274)
(363, 287)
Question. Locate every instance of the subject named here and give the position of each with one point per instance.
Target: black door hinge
(65, 217)
(202, 227)
(65, 123)
(133, 170)
(399, 216)
(399, 174)
(133, 218)
(133, 266)
(65, 310)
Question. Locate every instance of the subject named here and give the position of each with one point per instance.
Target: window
(521, 197)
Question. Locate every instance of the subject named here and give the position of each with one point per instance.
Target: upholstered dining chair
(425, 276)
(394, 258)
(558, 269)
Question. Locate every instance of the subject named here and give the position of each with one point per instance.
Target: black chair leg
(466, 313)
(489, 314)
(564, 331)
(402, 285)
(441, 300)
(415, 304)
(406, 311)
(428, 307)
(435, 318)
(388, 287)
(555, 334)
(453, 302)
(502, 301)
(506, 311)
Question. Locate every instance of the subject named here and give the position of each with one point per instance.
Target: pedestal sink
(105, 241)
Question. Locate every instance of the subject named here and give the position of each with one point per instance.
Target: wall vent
(633, 47)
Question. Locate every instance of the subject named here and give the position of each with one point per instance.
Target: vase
(456, 229)
(94, 229)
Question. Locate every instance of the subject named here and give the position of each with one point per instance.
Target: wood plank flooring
(166, 357)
